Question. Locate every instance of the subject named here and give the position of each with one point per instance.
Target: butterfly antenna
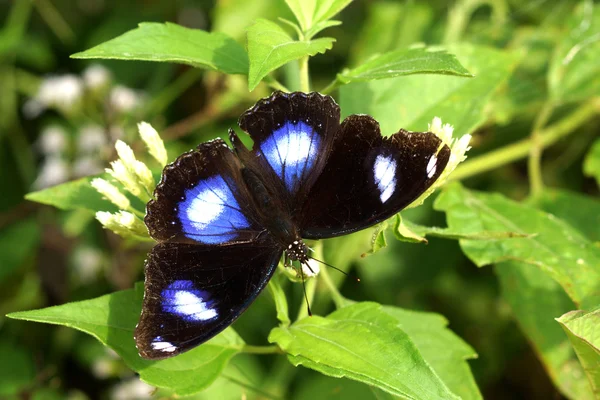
(305, 295)
(336, 268)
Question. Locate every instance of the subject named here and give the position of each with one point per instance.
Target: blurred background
(60, 117)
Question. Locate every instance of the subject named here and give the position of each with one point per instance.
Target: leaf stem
(275, 84)
(334, 84)
(521, 149)
(55, 21)
(336, 296)
(534, 163)
(304, 77)
(249, 349)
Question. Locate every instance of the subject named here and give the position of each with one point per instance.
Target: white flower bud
(124, 99)
(137, 168)
(111, 192)
(458, 148)
(132, 223)
(54, 170)
(156, 146)
(53, 140)
(125, 177)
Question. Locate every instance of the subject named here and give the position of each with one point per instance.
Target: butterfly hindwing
(368, 178)
(201, 199)
(194, 292)
(292, 134)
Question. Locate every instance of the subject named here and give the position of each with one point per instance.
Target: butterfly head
(297, 251)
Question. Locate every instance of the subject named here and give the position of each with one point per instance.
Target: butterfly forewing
(194, 292)
(369, 178)
(292, 134)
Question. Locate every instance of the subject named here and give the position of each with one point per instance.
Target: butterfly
(224, 216)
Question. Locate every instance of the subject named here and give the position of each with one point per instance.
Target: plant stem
(311, 287)
(249, 349)
(336, 296)
(521, 149)
(183, 82)
(334, 84)
(55, 21)
(304, 77)
(275, 84)
(534, 163)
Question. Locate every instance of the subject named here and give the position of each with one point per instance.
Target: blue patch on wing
(209, 213)
(291, 151)
(184, 300)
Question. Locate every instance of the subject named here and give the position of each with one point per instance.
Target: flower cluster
(135, 178)
(458, 149)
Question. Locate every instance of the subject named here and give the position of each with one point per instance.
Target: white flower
(134, 388)
(91, 138)
(458, 149)
(52, 140)
(136, 168)
(118, 171)
(96, 77)
(124, 99)
(62, 92)
(111, 192)
(122, 223)
(156, 147)
(54, 170)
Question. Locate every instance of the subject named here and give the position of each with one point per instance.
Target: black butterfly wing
(293, 133)
(194, 292)
(369, 178)
(214, 256)
(202, 199)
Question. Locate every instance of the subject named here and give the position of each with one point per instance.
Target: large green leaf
(404, 62)
(168, 42)
(412, 101)
(535, 300)
(580, 211)
(557, 248)
(270, 47)
(364, 343)
(112, 318)
(591, 165)
(78, 194)
(574, 72)
(582, 329)
(441, 348)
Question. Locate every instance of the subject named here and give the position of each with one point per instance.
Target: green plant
(544, 248)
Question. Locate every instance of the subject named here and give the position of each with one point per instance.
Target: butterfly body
(223, 217)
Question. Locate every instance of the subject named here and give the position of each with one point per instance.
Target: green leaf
(412, 101)
(582, 329)
(303, 11)
(168, 42)
(318, 27)
(535, 300)
(312, 13)
(281, 304)
(591, 165)
(378, 240)
(574, 72)
(441, 348)
(327, 9)
(270, 47)
(18, 242)
(580, 211)
(557, 248)
(405, 62)
(408, 231)
(78, 194)
(364, 343)
(112, 318)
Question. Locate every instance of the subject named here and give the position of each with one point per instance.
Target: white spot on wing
(161, 345)
(384, 170)
(432, 166)
(190, 305)
(205, 208)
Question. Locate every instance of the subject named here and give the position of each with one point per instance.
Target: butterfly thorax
(297, 251)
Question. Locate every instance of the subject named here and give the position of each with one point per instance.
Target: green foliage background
(424, 322)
